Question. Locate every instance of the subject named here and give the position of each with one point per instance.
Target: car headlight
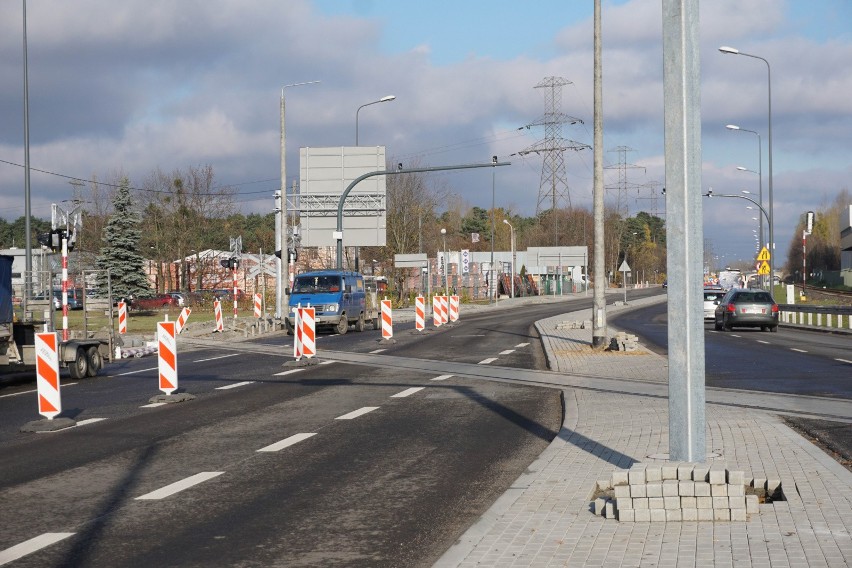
(330, 308)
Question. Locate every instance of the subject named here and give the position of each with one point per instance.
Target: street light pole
(733, 51)
(446, 264)
(281, 243)
(759, 169)
(512, 233)
(491, 281)
(385, 99)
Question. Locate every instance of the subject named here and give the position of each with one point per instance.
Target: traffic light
(230, 263)
(53, 240)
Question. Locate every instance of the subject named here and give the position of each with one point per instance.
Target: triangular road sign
(764, 269)
(624, 267)
(763, 256)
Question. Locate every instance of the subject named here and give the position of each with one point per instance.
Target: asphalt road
(331, 465)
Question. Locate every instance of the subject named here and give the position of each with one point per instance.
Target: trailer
(83, 357)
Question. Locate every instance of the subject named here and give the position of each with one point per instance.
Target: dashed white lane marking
(521, 345)
(154, 405)
(357, 413)
(34, 390)
(506, 352)
(234, 385)
(374, 351)
(441, 378)
(487, 361)
(135, 372)
(734, 335)
(407, 392)
(28, 547)
(327, 362)
(89, 421)
(798, 350)
(215, 358)
(290, 372)
(844, 361)
(762, 341)
(287, 442)
(179, 486)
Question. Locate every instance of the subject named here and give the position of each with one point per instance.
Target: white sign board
(465, 261)
(324, 174)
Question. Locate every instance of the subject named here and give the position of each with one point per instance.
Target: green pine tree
(120, 254)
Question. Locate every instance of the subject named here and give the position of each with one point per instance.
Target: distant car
(75, 298)
(712, 295)
(666, 283)
(741, 307)
(153, 303)
(179, 298)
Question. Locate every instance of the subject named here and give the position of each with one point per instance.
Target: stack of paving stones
(624, 342)
(674, 492)
(586, 324)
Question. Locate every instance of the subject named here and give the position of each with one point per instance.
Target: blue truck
(341, 299)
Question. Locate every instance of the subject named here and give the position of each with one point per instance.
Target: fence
(823, 317)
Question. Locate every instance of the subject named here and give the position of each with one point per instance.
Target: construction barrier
(445, 310)
(47, 375)
(122, 318)
(308, 324)
(217, 311)
(167, 356)
(258, 306)
(454, 309)
(387, 319)
(297, 332)
(182, 318)
(437, 320)
(419, 313)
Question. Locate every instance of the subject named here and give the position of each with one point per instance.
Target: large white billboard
(324, 174)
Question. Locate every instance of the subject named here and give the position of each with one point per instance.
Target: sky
(130, 87)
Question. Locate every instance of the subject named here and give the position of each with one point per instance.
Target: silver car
(712, 296)
(743, 307)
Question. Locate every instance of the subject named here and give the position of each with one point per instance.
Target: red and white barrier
(258, 306)
(297, 333)
(445, 310)
(308, 321)
(387, 319)
(454, 308)
(122, 318)
(64, 289)
(167, 356)
(437, 320)
(182, 318)
(217, 312)
(419, 313)
(47, 375)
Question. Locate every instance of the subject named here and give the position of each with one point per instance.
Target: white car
(712, 295)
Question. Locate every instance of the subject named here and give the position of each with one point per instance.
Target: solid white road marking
(798, 350)
(357, 413)
(762, 341)
(734, 335)
(154, 405)
(844, 361)
(235, 385)
(135, 372)
(407, 392)
(290, 372)
(487, 361)
(507, 352)
(441, 378)
(327, 362)
(89, 421)
(373, 352)
(179, 486)
(28, 547)
(287, 442)
(521, 345)
(34, 390)
(215, 358)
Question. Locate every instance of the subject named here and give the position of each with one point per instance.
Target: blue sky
(141, 85)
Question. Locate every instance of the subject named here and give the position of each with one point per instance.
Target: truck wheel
(79, 366)
(288, 327)
(95, 361)
(343, 324)
(377, 321)
(360, 324)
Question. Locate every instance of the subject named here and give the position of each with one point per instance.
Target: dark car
(153, 303)
(743, 307)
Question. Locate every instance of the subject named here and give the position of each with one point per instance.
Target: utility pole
(599, 302)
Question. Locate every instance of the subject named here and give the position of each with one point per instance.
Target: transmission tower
(623, 186)
(553, 187)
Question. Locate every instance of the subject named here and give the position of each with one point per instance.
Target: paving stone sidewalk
(545, 518)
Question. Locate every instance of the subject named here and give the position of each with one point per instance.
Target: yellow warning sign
(763, 256)
(764, 268)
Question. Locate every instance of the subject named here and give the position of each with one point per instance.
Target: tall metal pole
(599, 300)
(491, 283)
(28, 261)
(682, 110)
(281, 281)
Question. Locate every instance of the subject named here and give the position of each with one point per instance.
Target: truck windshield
(315, 284)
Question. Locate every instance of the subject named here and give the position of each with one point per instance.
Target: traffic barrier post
(258, 306)
(182, 319)
(167, 356)
(47, 375)
(419, 313)
(454, 309)
(297, 332)
(122, 317)
(217, 312)
(387, 319)
(445, 309)
(308, 321)
(437, 320)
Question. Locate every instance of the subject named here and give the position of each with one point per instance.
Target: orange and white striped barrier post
(47, 375)
(454, 309)
(419, 313)
(445, 309)
(167, 356)
(217, 312)
(234, 272)
(64, 289)
(436, 311)
(122, 318)
(182, 319)
(308, 321)
(258, 306)
(387, 319)
(297, 332)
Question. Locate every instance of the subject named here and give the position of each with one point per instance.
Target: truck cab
(339, 298)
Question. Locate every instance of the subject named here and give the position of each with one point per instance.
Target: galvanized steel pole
(599, 262)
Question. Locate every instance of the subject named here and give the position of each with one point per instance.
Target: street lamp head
(387, 98)
(746, 191)
(742, 168)
(507, 222)
(731, 50)
(732, 127)
(443, 231)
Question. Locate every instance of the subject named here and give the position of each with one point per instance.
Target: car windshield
(712, 296)
(754, 297)
(314, 284)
